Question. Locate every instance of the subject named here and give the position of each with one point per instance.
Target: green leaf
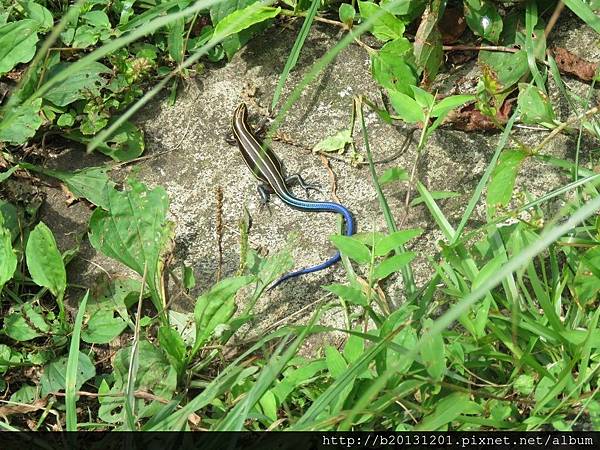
(354, 348)
(17, 43)
(103, 326)
(444, 106)
(503, 178)
(337, 142)
(433, 353)
(65, 120)
(244, 18)
(6, 175)
(11, 218)
(53, 379)
(349, 294)
(446, 410)
(233, 43)
(586, 283)
(216, 307)
(386, 27)
(8, 356)
(483, 19)
(392, 264)
(503, 70)
(189, 280)
(268, 404)
(44, 261)
(126, 143)
(295, 378)
(98, 19)
(524, 384)
(134, 230)
(535, 106)
(8, 259)
(183, 323)
(73, 370)
(154, 374)
(84, 36)
(336, 364)
(174, 347)
(405, 339)
(80, 83)
(21, 123)
(25, 323)
(352, 248)
(393, 174)
(422, 97)
(91, 183)
(369, 238)
(395, 240)
(408, 8)
(393, 66)
(175, 40)
(40, 14)
(25, 394)
(406, 107)
(347, 14)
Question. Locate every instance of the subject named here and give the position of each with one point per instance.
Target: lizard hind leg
(297, 179)
(264, 192)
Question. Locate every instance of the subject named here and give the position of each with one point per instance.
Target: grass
(503, 336)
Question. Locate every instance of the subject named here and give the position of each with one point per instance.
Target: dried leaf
(570, 64)
(10, 410)
(428, 43)
(469, 118)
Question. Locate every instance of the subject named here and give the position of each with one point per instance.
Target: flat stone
(193, 160)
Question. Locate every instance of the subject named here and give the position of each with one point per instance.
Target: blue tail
(305, 205)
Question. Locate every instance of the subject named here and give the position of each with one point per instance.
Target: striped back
(261, 160)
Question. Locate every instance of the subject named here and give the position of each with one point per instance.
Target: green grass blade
(586, 350)
(467, 262)
(216, 387)
(486, 176)
(546, 239)
(406, 271)
(295, 53)
(515, 263)
(308, 419)
(324, 61)
(585, 13)
(436, 212)
(531, 19)
(72, 362)
(234, 421)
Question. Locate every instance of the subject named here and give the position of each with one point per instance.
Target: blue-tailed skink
(268, 169)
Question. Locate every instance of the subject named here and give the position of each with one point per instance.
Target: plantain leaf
(134, 230)
(44, 261)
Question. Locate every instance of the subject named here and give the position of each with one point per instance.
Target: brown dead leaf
(570, 64)
(452, 25)
(10, 410)
(469, 118)
(428, 43)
